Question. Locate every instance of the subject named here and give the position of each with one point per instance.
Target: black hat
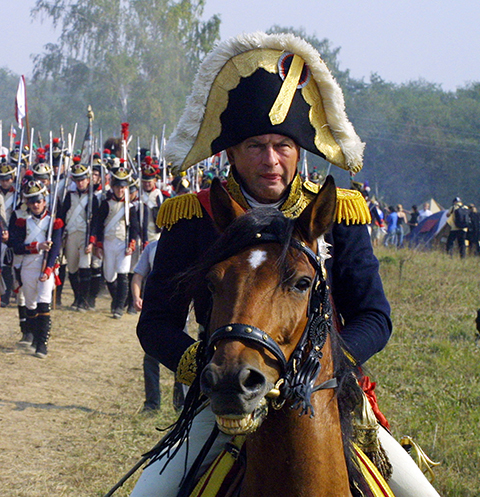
(120, 176)
(7, 170)
(259, 84)
(34, 190)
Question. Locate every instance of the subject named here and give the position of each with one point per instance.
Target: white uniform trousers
(75, 252)
(114, 259)
(407, 479)
(34, 290)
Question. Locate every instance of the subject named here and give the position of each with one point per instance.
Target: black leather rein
(300, 372)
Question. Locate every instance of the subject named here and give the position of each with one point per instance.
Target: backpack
(462, 217)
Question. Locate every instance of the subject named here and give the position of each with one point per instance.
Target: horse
(272, 350)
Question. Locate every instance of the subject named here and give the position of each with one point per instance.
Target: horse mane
(241, 234)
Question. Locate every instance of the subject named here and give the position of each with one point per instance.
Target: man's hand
(137, 303)
(46, 246)
(99, 252)
(89, 248)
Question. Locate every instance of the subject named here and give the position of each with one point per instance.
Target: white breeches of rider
(75, 252)
(114, 259)
(34, 290)
(407, 479)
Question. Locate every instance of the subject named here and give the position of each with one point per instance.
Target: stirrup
(418, 455)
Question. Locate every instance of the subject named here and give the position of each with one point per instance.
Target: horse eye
(210, 287)
(303, 284)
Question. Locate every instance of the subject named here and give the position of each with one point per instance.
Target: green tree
(134, 60)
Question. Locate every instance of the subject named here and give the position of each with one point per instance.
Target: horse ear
(317, 217)
(224, 209)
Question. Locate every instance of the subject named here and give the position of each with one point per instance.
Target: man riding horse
(262, 98)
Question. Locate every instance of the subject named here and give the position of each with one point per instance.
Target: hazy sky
(401, 40)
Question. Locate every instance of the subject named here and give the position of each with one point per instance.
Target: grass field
(71, 424)
(428, 376)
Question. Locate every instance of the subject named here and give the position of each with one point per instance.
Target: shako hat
(149, 169)
(79, 171)
(7, 170)
(258, 84)
(120, 176)
(42, 169)
(34, 190)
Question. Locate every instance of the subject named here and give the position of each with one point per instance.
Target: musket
(40, 141)
(127, 189)
(11, 138)
(102, 170)
(53, 212)
(161, 158)
(19, 168)
(140, 190)
(50, 160)
(30, 152)
(91, 117)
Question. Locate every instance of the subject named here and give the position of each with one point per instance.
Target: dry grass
(70, 424)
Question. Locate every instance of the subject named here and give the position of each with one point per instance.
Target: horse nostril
(252, 380)
(208, 379)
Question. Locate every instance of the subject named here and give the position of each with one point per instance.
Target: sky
(400, 40)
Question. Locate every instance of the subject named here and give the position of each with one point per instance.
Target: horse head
(269, 303)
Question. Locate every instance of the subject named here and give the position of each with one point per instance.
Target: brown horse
(271, 348)
(272, 353)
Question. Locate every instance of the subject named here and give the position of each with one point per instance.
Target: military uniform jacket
(111, 222)
(74, 211)
(27, 231)
(151, 202)
(353, 272)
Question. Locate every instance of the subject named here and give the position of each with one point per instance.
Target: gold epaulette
(187, 367)
(351, 207)
(176, 208)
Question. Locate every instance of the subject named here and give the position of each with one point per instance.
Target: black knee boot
(27, 334)
(84, 277)
(129, 304)
(43, 325)
(73, 277)
(62, 274)
(31, 328)
(112, 290)
(121, 295)
(95, 280)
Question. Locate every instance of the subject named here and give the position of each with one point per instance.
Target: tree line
(135, 61)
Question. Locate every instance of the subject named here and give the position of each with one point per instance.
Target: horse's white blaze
(256, 258)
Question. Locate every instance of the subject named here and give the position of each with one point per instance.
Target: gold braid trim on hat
(187, 367)
(182, 207)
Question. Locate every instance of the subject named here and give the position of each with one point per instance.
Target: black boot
(73, 277)
(44, 324)
(112, 290)
(31, 329)
(129, 304)
(84, 276)
(62, 273)
(121, 295)
(27, 334)
(95, 281)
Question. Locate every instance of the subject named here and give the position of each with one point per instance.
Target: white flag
(21, 102)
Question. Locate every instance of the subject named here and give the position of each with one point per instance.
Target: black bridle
(298, 373)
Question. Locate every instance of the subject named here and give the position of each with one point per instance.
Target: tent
(434, 205)
(428, 230)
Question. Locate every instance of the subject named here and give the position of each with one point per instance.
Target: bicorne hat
(258, 84)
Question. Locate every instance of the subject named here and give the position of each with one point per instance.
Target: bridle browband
(300, 372)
